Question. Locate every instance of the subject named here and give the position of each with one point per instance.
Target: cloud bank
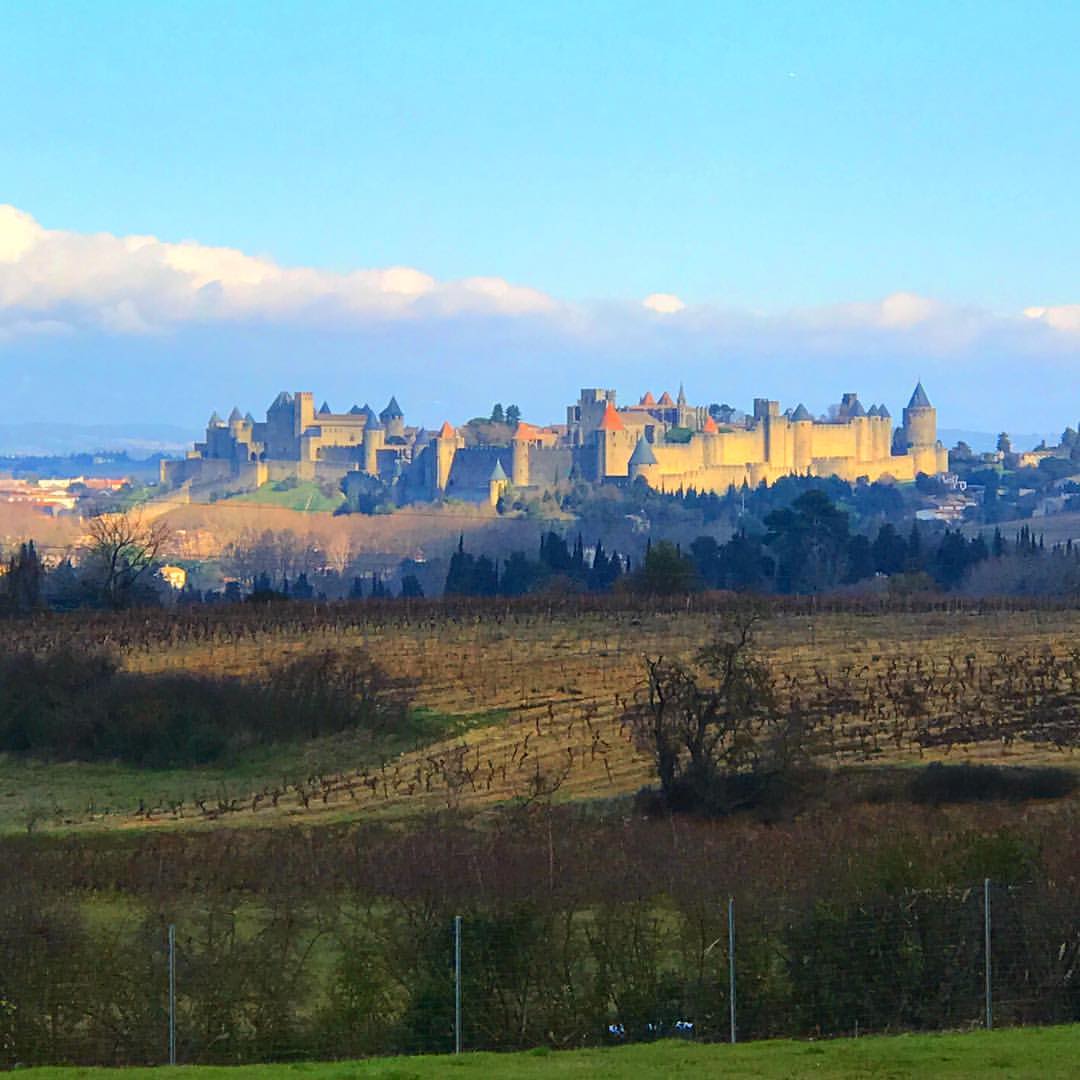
(215, 318)
(51, 280)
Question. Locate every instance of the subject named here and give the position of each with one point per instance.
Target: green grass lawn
(1020, 1052)
(305, 495)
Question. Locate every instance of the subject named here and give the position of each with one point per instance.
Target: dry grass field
(538, 698)
(202, 531)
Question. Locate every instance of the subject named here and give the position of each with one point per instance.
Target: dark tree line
(557, 565)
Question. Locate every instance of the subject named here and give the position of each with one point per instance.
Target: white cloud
(18, 233)
(663, 303)
(1064, 317)
(139, 284)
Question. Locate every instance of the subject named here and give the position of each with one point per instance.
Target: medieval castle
(669, 444)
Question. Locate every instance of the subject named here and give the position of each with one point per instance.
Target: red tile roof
(611, 420)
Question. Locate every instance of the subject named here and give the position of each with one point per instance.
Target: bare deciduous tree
(123, 548)
(718, 730)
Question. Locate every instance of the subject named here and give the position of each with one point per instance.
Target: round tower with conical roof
(802, 439)
(374, 440)
(497, 483)
(641, 460)
(610, 433)
(519, 450)
(920, 434)
(393, 419)
(920, 420)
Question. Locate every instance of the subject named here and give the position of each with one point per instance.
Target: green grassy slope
(306, 495)
(1021, 1053)
(40, 796)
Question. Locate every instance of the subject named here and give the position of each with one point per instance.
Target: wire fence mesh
(244, 983)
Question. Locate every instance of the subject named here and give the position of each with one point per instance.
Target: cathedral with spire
(665, 442)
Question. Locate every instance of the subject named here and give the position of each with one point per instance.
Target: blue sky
(783, 169)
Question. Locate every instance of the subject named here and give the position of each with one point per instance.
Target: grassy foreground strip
(1020, 1052)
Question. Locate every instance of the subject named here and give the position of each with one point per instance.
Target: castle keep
(667, 443)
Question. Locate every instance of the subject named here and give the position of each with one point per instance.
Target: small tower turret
(802, 427)
(640, 460)
(497, 484)
(445, 450)
(393, 419)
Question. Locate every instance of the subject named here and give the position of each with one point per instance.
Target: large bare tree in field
(123, 548)
(720, 732)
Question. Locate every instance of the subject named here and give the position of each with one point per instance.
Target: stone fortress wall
(669, 444)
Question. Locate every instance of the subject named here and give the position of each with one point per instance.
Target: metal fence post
(731, 962)
(986, 951)
(172, 994)
(457, 984)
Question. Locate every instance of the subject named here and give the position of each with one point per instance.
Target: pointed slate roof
(665, 399)
(643, 453)
(884, 412)
(392, 411)
(215, 420)
(498, 473)
(324, 409)
(855, 409)
(235, 415)
(357, 411)
(446, 431)
(709, 427)
(873, 411)
(801, 413)
(284, 398)
(248, 418)
(611, 420)
(371, 422)
(682, 395)
(919, 400)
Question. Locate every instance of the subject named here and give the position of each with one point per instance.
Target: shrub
(939, 783)
(82, 706)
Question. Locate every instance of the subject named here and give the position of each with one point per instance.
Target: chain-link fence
(249, 983)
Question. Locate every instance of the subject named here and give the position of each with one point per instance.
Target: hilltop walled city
(668, 443)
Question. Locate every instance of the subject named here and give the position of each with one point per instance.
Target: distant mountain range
(139, 440)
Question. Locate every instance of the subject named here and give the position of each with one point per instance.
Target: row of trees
(557, 567)
(806, 547)
(810, 546)
(115, 569)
